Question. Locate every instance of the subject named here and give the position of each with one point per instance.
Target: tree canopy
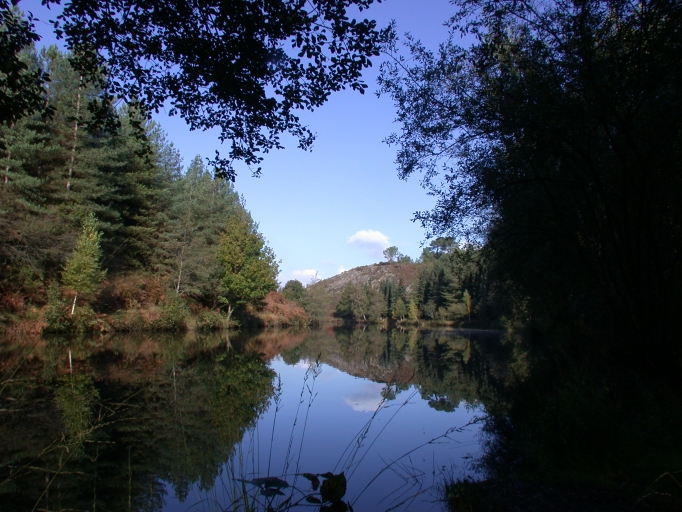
(555, 139)
(20, 85)
(82, 271)
(156, 223)
(248, 267)
(242, 66)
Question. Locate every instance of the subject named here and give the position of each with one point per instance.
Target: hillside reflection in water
(182, 422)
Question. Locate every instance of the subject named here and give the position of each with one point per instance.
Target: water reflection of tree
(447, 367)
(453, 369)
(568, 422)
(77, 441)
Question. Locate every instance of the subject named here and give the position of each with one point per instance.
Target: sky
(340, 205)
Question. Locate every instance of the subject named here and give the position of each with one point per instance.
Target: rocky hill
(376, 274)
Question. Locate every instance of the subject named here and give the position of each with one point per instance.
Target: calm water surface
(179, 423)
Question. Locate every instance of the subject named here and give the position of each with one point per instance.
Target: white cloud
(341, 270)
(372, 242)
(365, 400)
(305, 276)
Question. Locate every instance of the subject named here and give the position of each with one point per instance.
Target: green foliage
(294, 291)
(413, 311)
(318, 302)
(129, 320)
(558, 131)
(209, 319)
(173, 316)
(197, 206)
(399, 310)
(55, 309)
(394, 293)
(248, 267)
(391, 254)
(445, 278)
(82, 272)
(21, 87)
(58, 170)
(75, 396)
(360, 304)
(249, 87)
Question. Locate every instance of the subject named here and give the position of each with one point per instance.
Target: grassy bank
(132, 303)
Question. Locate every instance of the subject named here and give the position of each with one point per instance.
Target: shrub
(173, 315)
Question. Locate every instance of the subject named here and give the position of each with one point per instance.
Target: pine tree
(196, 217)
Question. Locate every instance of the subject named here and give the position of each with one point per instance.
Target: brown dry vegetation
(278, 311)
(273, 342)
(131, 290)
(136, 303)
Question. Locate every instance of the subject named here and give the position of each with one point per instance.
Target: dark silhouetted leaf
(271, 492)
(270, 481)
(314, 481)
(333, 488)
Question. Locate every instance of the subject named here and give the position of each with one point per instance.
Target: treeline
(162, 237)
(554, 138)
(454, 284)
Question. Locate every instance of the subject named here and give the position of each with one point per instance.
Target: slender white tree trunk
(75, 133)
(229, 315)
(177, 287)
(73, 306)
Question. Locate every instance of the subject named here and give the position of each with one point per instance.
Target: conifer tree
(196, 217)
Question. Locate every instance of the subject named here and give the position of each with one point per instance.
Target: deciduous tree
(248, 266)
(21, 85)
(555, 138)
(242, 66)
(294, 291)
(82, 272)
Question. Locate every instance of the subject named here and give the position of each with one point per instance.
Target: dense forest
(449, 284)
(554, 141)
(551, 142)
(99, 221)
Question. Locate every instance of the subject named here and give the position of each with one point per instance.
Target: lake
(373, 419)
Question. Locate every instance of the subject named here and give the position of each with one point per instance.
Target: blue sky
(338, 206)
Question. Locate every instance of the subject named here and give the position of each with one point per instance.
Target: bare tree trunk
(229, 315)
(228, 345)
(75, 133)
(177, 287)
(73, 306)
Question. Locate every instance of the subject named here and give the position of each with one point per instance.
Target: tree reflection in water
(144, 421)
(134, 415)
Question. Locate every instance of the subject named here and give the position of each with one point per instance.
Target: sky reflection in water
(336, 422)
